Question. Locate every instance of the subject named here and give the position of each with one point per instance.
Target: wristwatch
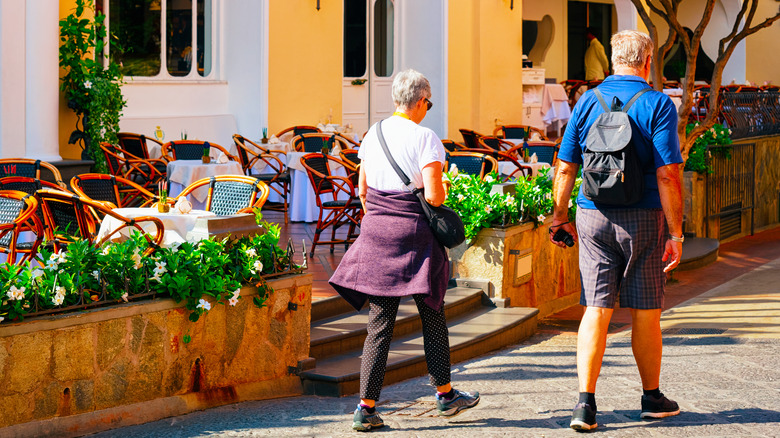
(677, 239)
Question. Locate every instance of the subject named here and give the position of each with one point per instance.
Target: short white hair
(630, 48)
(409, 86)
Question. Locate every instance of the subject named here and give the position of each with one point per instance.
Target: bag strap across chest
(616, 103)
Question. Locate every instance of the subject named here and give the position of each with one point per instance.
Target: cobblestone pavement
(721, 363)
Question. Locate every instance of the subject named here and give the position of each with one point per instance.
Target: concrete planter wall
(80, 373)
(522, 267)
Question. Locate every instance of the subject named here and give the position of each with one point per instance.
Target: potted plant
(264, 140)
(92, 87)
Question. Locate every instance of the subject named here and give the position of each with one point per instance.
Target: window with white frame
(162, 39)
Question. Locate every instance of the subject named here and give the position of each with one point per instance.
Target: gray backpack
(611, 170)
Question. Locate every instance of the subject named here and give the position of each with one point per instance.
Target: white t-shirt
(411, 145)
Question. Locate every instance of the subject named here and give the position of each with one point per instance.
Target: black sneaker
(363, 421)
(658, 407)
(454, 406)
(583, 417)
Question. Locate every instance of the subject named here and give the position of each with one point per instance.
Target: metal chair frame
(549, 149)
(486, 163)
(334, 213)
(501, 130)
(470, 138)
(494, 143)
(302, 143)
(123, 192)
(140, 171)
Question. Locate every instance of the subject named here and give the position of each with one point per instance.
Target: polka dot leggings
(381, 321)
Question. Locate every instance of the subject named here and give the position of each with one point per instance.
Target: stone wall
(79, 373)
(496, 256)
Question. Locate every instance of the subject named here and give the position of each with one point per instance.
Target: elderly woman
(397, 254)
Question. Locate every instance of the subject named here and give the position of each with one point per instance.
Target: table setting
(182, 173)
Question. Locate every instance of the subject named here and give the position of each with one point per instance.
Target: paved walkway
(721, 363)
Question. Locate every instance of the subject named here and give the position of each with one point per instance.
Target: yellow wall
(305, 62)
(67, 116)
(760, 67)
(485, 65)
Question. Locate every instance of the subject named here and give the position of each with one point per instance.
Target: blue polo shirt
(656, 142)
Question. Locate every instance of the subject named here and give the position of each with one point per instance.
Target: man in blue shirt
(625, 251)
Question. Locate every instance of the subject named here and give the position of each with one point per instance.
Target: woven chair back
(135, 144)
(189, 151)
(99, 189)
(320, 164)
(230, 196)
(10, 209)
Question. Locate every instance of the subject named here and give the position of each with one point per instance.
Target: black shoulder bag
(444, 221)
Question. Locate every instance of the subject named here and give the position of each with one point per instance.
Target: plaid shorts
(620, 255)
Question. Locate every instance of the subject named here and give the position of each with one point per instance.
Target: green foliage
(198, 274)
(478, 208)
(699, 155)
(92, 89)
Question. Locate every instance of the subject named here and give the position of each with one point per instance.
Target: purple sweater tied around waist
(395, 255)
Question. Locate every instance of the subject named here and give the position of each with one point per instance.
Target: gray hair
(409, 86)
(630, 48)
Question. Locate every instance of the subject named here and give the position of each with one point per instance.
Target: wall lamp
(318, 5)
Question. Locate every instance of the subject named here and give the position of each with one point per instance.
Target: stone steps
(698, 252)
(475, 325)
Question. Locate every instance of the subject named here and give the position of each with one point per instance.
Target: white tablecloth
(555, 107)
(182, 173)
(507, 167)
(176, 225)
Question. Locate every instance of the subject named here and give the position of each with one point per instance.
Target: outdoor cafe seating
(259, 162)
(17, 215)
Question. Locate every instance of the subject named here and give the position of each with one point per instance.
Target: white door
(369, 62)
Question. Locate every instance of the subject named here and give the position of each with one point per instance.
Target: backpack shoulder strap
(635, 98)
(600, 97)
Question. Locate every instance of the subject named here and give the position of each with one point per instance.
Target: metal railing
(751, 114)
(730, 189)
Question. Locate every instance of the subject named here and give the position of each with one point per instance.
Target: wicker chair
(494, 143)
(276, 174)
(191, 150)
(68, 219)
(30, 168)
(315, 142)
(17, 215)
(139, 171)
(517, 131)
(230, 194)
(352, 161)
(452, 146)
(470, 138)
(518, 170)
(136, 145)
(336, 199)
(111, 191)
(546, 151)
(294, 131)
(31, 187)
(472, 163)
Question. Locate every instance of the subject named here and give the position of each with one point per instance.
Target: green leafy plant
(200, 274)
(358, 81)
(472, 199)
(93, 90)
(714, 141)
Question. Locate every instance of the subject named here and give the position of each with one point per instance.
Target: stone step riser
(354, 340)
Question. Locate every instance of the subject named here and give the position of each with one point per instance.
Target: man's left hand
(673, 253)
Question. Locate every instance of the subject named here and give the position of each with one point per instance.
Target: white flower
(570, 203)
(106, 250)
(489, 179)
(258, 266)
(136, 260)
(461, 197)
(541, 218)
(454, 170)
(58, 299)
(37, 272)
(96, 275)
(124, 297)
(156, 278)
(61, 291)
(251, 252)
(175, 247)
(88, 85)
(1, 319)
(203, 304)
(488, 209)
(236, 293)
(159, 270)
(61, 271)
(233, 301)
(15, 294)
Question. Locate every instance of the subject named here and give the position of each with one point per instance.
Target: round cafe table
(177, 225)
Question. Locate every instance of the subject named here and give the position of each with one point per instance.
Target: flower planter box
(521, 266)
(76, 374)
